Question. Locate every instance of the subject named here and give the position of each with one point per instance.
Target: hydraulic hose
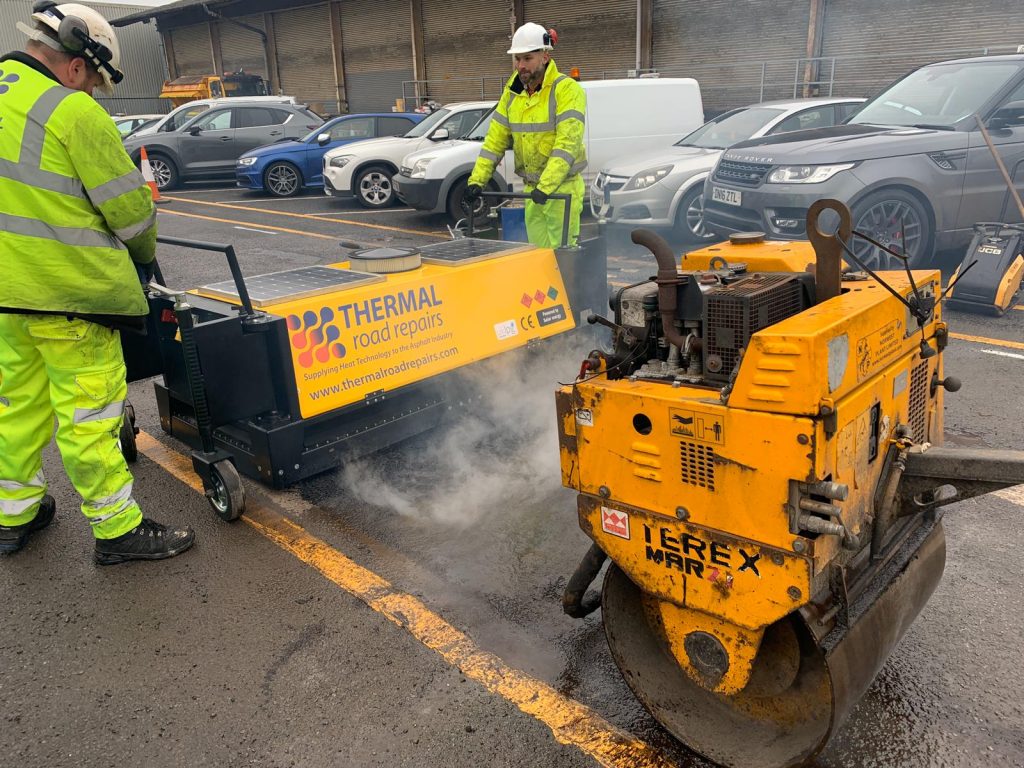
(575, 601)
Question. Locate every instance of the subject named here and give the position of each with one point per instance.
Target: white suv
(364, 169)
(177, 117)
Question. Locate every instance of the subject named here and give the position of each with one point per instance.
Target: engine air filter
(385, 261)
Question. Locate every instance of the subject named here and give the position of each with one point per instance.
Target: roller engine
(759, 454)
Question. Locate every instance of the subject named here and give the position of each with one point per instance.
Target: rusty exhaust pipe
(668, 279)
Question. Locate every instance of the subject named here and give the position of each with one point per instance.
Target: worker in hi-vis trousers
(541, 116)
(77, 218)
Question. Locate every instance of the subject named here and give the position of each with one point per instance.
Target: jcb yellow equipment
(760, 457)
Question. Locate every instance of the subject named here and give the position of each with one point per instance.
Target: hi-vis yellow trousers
(74, 369)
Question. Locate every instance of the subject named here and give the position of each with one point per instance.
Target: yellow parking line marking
(1020, 307)
(986, 340)
(420, 232)
(232, 221)
(570, 722)
(1014, 494)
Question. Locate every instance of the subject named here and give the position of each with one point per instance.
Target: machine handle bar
(229, 252)
(525, 196)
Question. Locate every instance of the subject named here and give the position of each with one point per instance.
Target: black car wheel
(373, 187)
(897, 220)
(165, 172)
(282, 179)
(458, 208)
(690, 224)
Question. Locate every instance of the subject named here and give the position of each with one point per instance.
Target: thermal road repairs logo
(316, 336)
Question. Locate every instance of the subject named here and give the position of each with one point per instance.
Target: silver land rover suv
(911, 164)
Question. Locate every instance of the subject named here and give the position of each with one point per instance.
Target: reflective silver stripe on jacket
(121, 501)
(127, 233)
(73, 236)
(114, 410)
(534, 178)
(486, 154)
(35, 125)
(116, 187)
(561, 154)
(40, 179)
(500, 118)
(549, 125)
(570, 114)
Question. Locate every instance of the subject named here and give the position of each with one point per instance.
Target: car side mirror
(195, 130)
(323, 138)
(1010, 115)
(440, 134)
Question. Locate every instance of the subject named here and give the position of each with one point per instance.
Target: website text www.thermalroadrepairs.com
(385, 372)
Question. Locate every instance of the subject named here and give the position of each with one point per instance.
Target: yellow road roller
(760, 456)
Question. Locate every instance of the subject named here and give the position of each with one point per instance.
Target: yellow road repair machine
(760, 456)
(285, 375)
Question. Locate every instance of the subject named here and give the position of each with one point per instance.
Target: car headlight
(246, 160)
(341, 161)
(419, 168)
(648, 178)
(805, 174)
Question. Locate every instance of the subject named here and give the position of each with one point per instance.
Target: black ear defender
(73, 35)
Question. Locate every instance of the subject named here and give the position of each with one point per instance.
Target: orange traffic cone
(147, 174)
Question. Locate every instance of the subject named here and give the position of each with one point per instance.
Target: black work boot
(146, 541)
(13, 538)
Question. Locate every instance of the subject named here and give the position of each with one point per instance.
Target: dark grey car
(207, 146)
(911, 163)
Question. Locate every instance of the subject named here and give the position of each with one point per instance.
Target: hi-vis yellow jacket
(74, 210)
(545, 131)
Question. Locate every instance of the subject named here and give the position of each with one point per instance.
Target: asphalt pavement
(405, 610)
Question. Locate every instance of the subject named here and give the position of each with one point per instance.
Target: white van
(181, 115)
(623, 117)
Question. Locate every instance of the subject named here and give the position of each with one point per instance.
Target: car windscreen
(730, 128)
(938, 95)
(425, 127)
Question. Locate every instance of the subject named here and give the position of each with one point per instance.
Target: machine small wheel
(126, 435)
(226, 494)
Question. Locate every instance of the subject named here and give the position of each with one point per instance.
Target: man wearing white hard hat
(78, 220)
(541, 116)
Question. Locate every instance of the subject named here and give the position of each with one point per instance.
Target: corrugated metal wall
(599, 38)
(875, 41)
(465, 66)
(722, 43)
(193, 52)
(305, 61)
(377, 40)
(242, 48)
(142, 58)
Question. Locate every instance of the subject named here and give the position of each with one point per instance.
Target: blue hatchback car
(285, 168)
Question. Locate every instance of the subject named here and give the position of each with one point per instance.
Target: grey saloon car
(207, 146)
(665, 188)
(912, 165)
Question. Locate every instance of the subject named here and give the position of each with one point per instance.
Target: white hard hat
(532, 37)
(79, 30)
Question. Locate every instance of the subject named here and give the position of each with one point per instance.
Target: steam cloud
(498, 452)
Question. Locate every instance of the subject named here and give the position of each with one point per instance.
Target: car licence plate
(727, 196)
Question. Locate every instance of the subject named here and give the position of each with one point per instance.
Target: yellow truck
(182, 90)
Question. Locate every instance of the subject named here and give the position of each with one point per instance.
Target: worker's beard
(532, 80)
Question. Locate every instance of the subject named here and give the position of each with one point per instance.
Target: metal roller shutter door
(241, 48)
(722, 44)
(888, 38)
(192, 52)
(377, 42)
(446, 46)
(304, 56)
(600, 39)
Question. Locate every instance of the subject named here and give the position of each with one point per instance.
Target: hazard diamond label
(614, 522)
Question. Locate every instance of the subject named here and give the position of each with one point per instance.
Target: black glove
(538, 197)
(472, 193)
(145, 271)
